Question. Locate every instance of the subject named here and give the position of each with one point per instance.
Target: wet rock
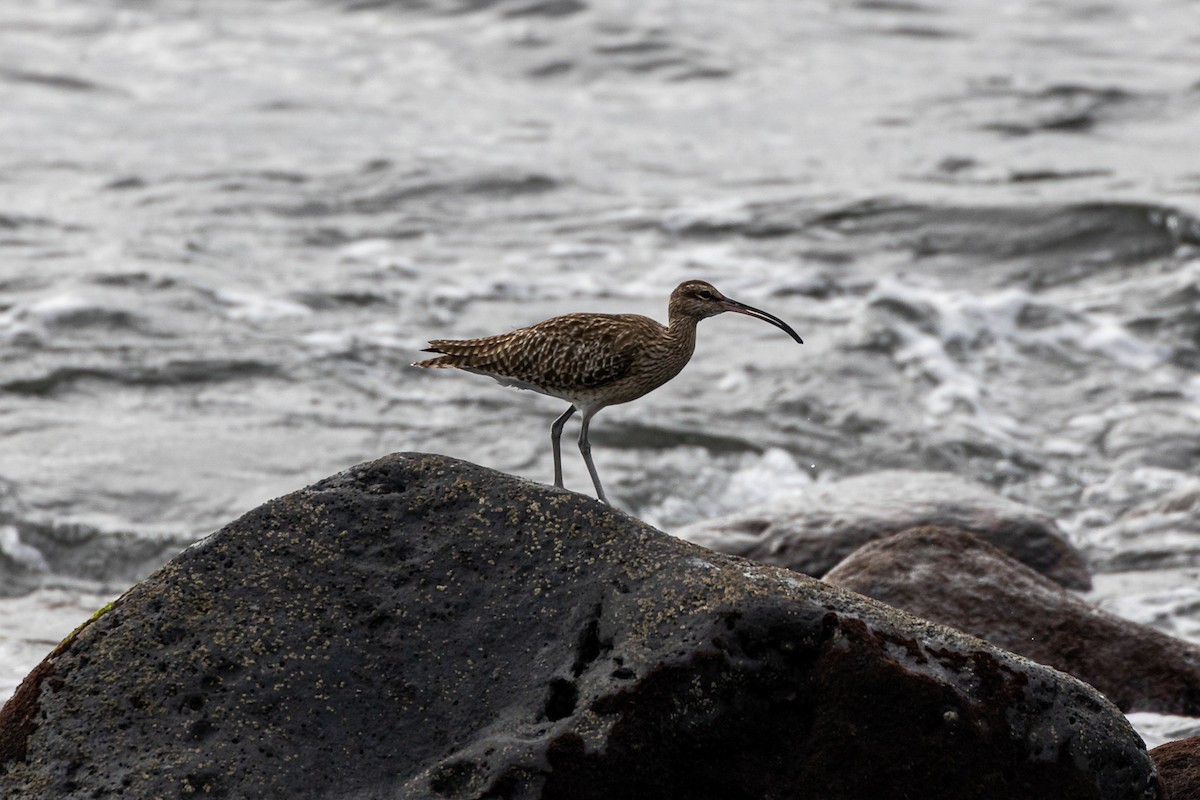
(956, 579)
(1179, 765)
(419, 627)
(816, 528)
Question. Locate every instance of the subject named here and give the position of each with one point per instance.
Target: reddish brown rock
(816, 528)
(1179, 767)
(954, 578)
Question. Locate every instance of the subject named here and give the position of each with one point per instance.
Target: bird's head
(699, 300)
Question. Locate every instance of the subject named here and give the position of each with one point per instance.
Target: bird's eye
(705, 294)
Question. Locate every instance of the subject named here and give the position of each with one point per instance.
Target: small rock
(1179, 765)
(958, 580)
(818, 527)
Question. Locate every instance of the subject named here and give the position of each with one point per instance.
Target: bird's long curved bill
(751, 311)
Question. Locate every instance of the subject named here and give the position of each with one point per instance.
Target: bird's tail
(441, 362)
(462, 352)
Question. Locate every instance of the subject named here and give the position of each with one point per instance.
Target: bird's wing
(576, 351)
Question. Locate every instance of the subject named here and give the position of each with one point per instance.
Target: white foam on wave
(57, 308)
(26, 555)
(735, 273)
(768, 477)
(567, 270)
(1159, 533)
(247, 306)
(716, 214)
(516, 278)
(31, 322)
(1108, 338)
(649, 272)
(383, 255)
(583, 251)
(938, 330)
(962, 322)
(17, 330)
(1122, 490)
(348, 341)
(1174, 610)
(963, 319)
(961, 344)
(1157, 729)
(756, 480)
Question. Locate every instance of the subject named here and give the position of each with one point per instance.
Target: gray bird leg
(555, 433)
(585, 447)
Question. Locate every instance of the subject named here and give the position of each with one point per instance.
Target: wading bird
(594, 360)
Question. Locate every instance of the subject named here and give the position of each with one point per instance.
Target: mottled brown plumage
(594, 360)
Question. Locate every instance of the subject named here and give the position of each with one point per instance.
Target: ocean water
(226, 229)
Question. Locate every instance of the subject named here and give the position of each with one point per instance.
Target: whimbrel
(594, 360)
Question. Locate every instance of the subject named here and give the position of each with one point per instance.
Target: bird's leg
(555, 433)
(585, 447)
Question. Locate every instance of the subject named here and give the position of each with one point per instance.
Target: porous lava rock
(953, 578)
(1179, 765)
(815, 528)
(419, 627)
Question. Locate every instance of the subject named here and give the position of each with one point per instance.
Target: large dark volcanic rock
(418, 627)
(953, 578)
(819, 526)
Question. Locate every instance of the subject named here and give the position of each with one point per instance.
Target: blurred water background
(226, 228)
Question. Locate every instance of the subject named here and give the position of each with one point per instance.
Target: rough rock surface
(419, 627)
(1179, 765)
(953, 578)
(818, 527)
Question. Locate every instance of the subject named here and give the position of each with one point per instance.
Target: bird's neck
(682, 332)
